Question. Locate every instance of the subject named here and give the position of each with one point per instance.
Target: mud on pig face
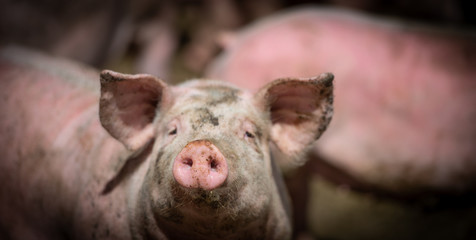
(211, 140)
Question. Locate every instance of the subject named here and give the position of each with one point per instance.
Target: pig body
(405, 112)
(55, 154)
(196, 165)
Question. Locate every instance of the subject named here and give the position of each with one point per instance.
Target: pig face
(210, 171)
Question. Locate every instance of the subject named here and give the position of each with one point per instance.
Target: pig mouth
(225, 196)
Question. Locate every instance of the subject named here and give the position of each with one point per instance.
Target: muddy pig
(405, 99)
(144, 160)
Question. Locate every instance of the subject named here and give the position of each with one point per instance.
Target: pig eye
(173, 132)
(250, 135)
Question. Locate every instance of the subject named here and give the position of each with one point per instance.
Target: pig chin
(199, 200)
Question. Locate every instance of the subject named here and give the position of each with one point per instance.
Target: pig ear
(128, 106)
(300, 111)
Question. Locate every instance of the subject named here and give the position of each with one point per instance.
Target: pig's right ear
(128, 106)
(300, 110)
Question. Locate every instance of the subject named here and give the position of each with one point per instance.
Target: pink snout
(200, 165)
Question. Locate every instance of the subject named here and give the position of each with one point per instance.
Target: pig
(405, 114)
(137, 158)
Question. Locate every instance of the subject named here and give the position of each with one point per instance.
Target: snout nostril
(188, 162)
(213, 165)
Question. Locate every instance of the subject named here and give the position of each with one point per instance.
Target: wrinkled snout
(200, 164)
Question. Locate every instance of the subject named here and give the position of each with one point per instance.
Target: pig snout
(200, 164)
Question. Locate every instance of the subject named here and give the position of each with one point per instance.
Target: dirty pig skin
(145, 160)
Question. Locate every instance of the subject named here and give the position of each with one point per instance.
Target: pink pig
(196, 163)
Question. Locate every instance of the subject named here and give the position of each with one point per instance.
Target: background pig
(197, 160)
(405, 112)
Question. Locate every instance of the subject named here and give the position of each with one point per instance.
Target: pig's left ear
(300, 111)
(128, 106)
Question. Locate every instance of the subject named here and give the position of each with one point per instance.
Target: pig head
(209, 172)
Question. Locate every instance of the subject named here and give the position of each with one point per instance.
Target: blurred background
(397, 161)
(175, 40)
